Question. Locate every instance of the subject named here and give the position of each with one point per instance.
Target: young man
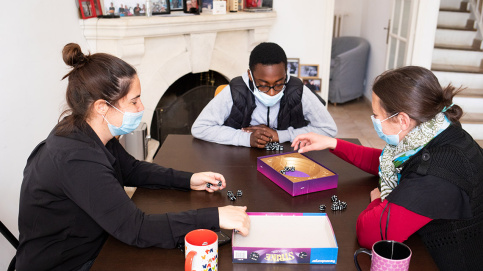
(263, 105)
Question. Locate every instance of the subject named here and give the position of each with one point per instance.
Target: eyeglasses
(265, 89)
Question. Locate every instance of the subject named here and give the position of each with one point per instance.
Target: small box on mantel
(308, 175)
(290, 238)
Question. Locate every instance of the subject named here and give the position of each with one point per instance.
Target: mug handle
(361, 250)
(189, 261)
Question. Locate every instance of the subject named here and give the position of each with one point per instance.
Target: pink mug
(387, 255)
(201, 250)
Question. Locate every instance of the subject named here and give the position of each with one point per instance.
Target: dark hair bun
(72, 55)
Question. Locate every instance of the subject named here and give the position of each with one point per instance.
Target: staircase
(458, 59)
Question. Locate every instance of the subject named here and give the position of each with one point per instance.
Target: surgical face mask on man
(264, 98)
(130, 121)
(390, 139)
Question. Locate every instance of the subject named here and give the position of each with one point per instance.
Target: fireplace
(182, 102)
(169, 50)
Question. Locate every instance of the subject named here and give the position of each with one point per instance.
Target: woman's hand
(313, 142)
(199, 180)
(375, 194)
(234, 217)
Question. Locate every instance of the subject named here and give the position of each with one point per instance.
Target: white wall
(32, 67)
(351, 11)
(304, 30)
(375, 16)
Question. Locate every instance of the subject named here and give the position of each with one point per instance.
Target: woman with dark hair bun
(431, 170)
(72, 194)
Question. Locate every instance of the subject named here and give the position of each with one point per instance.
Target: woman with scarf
(431, 170)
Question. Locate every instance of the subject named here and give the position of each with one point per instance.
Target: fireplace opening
(182, 102)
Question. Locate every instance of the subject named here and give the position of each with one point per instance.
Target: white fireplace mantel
(164, 48)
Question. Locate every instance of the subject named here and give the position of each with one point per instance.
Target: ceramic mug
(201, 250)
(387, 255)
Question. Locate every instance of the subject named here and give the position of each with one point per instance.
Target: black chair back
(11, 238)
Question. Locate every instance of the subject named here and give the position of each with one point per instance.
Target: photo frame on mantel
(88, 8)
(176, 5)
(192, 6)
(161, 7)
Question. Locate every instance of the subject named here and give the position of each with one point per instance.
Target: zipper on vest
(268, 117)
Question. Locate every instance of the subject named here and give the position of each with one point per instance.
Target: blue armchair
(348, 67)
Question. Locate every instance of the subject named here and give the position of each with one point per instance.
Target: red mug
(201, 250)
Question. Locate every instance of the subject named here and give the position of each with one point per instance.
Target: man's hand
(261, 135)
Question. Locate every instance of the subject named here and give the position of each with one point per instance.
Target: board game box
(286, 238)
(296, 173)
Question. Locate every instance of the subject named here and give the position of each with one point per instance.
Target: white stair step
(453, 19)
(469, 104)
(469, 80)
(457, 57)
(450, 4)
(454, 37)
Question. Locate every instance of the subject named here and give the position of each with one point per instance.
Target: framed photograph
(207, 6)
(192, 6)
(161, 7)
(125, 8)
(176, 5)
(88, 9)
(309, 70)
(293, 66)
(313, 84)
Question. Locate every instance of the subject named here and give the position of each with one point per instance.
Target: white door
(401, 33)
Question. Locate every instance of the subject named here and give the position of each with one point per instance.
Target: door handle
(388, 29)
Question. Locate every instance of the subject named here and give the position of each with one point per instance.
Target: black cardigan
(444, 181)
(72, 197)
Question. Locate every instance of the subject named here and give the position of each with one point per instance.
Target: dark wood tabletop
(239, 167)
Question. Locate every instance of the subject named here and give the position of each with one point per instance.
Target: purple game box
(289, 238)
(309, 176)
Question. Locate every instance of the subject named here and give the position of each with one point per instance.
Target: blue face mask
(390, 139)
(130, 121)
(264, 98)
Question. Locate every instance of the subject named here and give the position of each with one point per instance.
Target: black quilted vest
(290, 114)
(454, 244)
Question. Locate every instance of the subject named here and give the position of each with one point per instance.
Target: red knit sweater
(402, 222)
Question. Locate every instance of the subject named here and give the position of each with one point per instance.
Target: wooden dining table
(239, 167)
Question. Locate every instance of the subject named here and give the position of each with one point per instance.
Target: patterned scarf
(393, 157)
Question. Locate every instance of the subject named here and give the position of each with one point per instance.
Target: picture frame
(176, 5)
(309, 70)
(314, 84)
(207, 6)
(124, 8)
(293, 66)
(192, 6)
(161, 7)
(87, 9)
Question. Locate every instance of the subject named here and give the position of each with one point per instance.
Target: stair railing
(475, 7)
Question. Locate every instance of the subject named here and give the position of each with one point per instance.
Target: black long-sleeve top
(72, 197)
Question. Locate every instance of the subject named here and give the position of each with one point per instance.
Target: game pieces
(273, 146)
(230, 195)
(208, 185)
(292, 168)
(337, 205)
